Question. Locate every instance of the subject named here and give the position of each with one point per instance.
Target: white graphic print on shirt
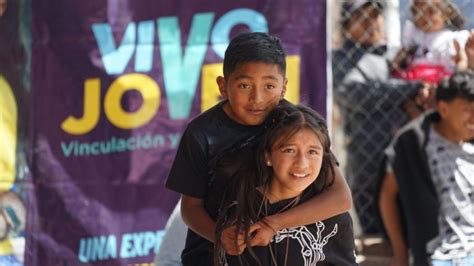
(311, 245)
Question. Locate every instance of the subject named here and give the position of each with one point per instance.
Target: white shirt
(433, 48)
(452, 172)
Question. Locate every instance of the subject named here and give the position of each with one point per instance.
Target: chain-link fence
(370, 104)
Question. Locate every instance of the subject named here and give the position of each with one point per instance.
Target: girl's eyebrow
(291, 144)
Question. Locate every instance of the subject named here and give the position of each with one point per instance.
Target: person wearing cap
(371, 104)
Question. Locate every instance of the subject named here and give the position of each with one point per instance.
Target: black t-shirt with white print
(328, 242)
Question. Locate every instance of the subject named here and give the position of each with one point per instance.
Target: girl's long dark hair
(247, 170)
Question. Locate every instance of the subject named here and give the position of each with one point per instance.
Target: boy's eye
(269, 87)
(244, 86)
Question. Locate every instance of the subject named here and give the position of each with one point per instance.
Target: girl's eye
(314, 152)
(288, 150)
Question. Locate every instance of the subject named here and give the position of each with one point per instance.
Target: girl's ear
(268, 161)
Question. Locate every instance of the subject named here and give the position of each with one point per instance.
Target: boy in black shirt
(253, 84)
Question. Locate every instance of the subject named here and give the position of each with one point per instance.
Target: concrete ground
(373, 251)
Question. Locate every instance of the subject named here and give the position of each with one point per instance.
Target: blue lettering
(98, 245)
(115, 60)
(137, 244)
(149, 242)
(174, 140)
(220, 33)
(140, 243)
(181, 67)
(146, 141)
(95, 148)
(144, 55)
(121, 145)
(84, 149)
(131, 143)
(105, 147)
(111, 248)
(97, 248)
(126, 246)
(158, 140)
(181, 72)
(67, 148)
(84, 250)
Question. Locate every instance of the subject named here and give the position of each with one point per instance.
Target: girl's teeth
(299, 175)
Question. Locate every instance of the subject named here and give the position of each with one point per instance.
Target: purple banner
(113, 85)
(14, 113)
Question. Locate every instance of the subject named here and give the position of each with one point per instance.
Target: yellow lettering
(8, 135)
(293, 75)
(210, 94)
(79, 126)
(150, 92)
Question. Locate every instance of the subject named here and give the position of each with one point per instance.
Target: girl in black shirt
(291, 163)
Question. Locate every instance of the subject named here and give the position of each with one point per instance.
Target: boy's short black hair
(254, 47)
(459, 85)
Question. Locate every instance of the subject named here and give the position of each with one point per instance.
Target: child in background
(253, 84)
(426, 196)
(291, 163)
(429, 51)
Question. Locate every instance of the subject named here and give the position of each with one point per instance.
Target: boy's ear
(222, 84)
(283, 91)
(442, 107)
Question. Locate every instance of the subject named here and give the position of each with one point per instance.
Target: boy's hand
(262, 233)
(232, 242)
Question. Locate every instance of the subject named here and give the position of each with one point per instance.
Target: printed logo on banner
(182, 68)
(185, 84)
(181, 73)
(106, 247)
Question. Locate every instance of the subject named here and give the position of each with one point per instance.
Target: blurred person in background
(371, 103)
(426, 197)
